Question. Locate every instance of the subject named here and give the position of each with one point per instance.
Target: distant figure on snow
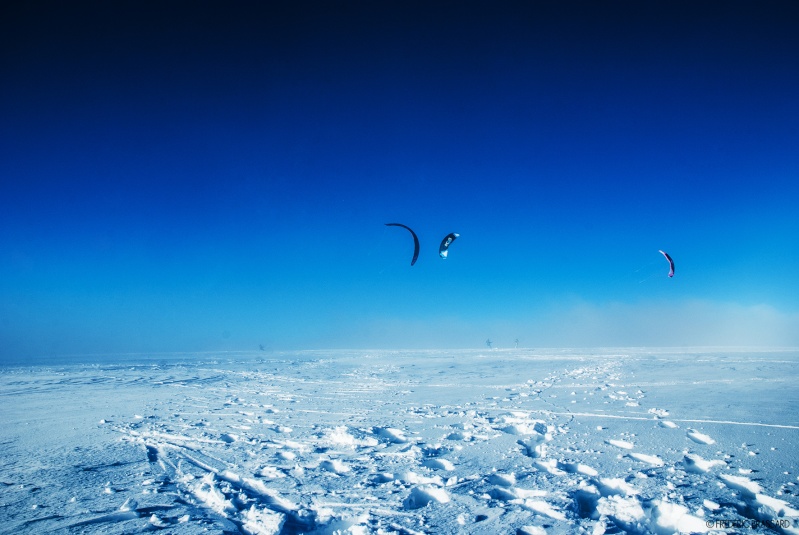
(488, 343)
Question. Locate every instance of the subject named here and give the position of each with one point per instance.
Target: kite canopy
(671, 263)
(415, 240)
(445, 243)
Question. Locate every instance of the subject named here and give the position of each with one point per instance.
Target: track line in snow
(684, 420)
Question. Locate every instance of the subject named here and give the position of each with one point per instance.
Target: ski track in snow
(413, 442)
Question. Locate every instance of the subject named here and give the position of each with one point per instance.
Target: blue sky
(216, 176)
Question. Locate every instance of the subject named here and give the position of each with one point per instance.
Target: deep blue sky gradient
(217, 175)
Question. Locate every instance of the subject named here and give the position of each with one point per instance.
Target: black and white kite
(671, 263)
(415, 240)
(445, 243)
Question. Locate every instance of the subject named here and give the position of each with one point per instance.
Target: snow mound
(669, 518)
(341, 436)
(699, 438)
(439, 464)
(335, 466)
(544, 508)
(697, 465)
(421, 496)
(742, 484)
(502, 480)
(654, 460)
(262, 521)
(623, 444)
(395, 436)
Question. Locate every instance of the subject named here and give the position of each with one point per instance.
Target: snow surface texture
(516, 441)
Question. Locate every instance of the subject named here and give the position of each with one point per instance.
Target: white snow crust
(640, 441)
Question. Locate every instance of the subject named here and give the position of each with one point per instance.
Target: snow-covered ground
(503, 441)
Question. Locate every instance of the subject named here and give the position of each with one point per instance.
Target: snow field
(425, 442)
